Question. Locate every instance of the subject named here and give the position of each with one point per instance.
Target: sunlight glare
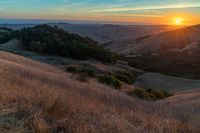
(178, 21)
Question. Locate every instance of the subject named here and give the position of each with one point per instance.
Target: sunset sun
(178, 21)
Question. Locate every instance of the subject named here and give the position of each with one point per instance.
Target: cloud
(136, 15)
(148, 8)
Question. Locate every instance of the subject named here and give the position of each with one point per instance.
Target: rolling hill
(55, 41)
(67, 96)
(177, 40)
(42, 98)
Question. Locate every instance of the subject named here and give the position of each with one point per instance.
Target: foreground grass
(51, 101)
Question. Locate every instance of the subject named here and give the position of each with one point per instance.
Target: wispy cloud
(143, 10)
(136, 15)
(178, 6)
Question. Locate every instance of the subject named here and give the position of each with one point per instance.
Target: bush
(89, 71)
(72, 69)
(127, 77)
(124, 78)
(77, 70)
(150, 94)
(110, 80)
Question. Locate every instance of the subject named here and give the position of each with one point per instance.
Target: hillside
(82, 96)
(174, 53)
(176, 40)
(180, 64)
(43, 98)
(55, 41)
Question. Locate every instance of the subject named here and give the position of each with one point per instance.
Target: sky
(127, 11)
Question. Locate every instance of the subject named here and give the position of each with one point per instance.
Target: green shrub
(72, 69)
(167, 94)
(89, 71)
(124, 78)
(159, 94)
(110, 80)
(79, 70)
(127, 77)
(150, 94)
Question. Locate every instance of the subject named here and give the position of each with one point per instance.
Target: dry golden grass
(54, 102)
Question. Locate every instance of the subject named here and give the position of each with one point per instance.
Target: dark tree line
(56, 41)
(6, 34)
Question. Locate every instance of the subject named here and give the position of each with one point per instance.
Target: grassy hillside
(174, 40)
(42, 98)
(180, 64)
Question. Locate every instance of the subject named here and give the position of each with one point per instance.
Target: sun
(178, 21)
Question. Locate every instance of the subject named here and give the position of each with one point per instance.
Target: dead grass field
(50, 101)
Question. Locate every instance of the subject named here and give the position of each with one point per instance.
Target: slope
(176, 40)
(50, 101)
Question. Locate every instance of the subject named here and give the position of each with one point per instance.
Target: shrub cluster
(110, 80)
(150, 94)
(114, 78)
(73, 69)
(127, 77)
(78, 70)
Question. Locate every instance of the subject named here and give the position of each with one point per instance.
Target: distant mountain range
(104, 33)
(131, 39)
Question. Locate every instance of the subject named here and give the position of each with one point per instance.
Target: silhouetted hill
(55, 41)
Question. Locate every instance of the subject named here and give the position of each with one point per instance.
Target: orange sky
(131, 11)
